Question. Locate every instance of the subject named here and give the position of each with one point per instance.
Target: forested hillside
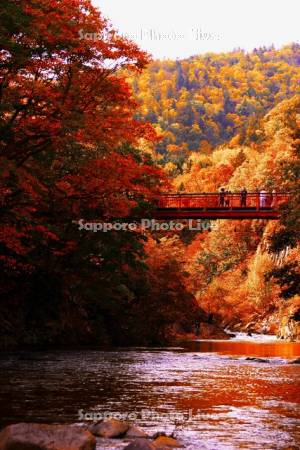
(232, 120)
(149, 227)
(203, 101)
(76, 147)
(247, 272)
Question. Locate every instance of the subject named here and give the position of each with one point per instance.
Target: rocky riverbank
(206, 331)
(108, 434)
(284, 323)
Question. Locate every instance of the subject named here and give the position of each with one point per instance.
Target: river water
(207, 392)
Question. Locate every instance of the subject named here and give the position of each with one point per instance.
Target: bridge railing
(229, 201)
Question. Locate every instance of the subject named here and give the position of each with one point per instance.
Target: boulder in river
(254, 359)
(135, 432)
(111, 428)
(140, 444)
(33, 436)
(164, 442)
(295, 361)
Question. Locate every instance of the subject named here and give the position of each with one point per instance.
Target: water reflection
(280, 349)
(235, 404)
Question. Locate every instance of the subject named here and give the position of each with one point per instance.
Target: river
(205, 391)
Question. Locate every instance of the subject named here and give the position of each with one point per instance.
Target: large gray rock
(140, 444)
(32, 436)
(111, 428)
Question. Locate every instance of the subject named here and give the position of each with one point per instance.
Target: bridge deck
(216, 206)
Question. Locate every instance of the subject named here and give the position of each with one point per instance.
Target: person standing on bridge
(244, 197)
(227, 198)
(222, 198)
(263, 198)
(273, 199)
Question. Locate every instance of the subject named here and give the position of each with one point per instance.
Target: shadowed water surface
(219, 400)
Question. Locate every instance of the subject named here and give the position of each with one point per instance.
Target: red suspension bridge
(253, 205)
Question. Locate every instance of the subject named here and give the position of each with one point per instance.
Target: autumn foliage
(87, 131)
(243, 272)
(203, 101)
(68, 151)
